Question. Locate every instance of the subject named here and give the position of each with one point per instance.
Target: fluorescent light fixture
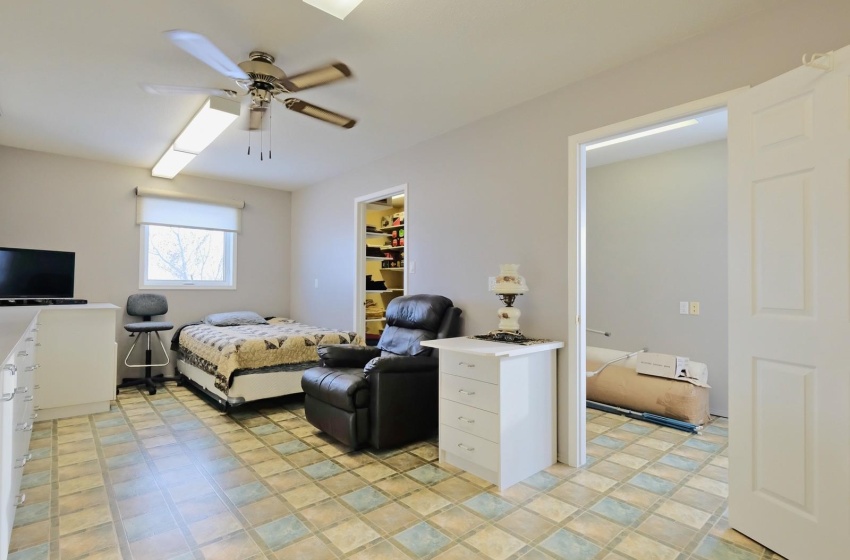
(336, 8)
(214, 116)
(171, 163)
(642, 134)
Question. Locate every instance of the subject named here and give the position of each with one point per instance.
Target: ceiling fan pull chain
(249, 142)
(270, 132)
(261, 144)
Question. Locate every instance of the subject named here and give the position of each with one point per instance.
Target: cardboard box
(662, 365)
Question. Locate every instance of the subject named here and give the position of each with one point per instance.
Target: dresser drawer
(470, 420)
(472, 448)
(470, 392)
(482, 368)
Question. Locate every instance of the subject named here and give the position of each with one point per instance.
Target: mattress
(620, 385)
(228, 353)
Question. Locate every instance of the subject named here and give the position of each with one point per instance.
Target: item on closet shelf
(374, 284)
(395, 241)
(372, 251)
(398, 219)
(372, 229)
(385, 222)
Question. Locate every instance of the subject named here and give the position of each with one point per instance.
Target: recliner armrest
(346, 355)
(401, 364)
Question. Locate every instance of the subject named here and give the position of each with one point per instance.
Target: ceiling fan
(259, 78)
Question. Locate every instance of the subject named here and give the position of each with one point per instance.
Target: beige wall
(495, 191)
(69, 204)
(656, 235)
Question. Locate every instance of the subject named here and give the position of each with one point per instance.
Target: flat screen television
(32, 273)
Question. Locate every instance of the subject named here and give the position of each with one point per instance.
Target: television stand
(42, 301)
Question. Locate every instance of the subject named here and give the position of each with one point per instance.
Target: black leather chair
(386, 395)
(147, 306)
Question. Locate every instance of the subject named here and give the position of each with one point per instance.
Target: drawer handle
(21, 390)
(465, 392)
(24, 427)
(34, 416)
(467, 420)
(28, 398)
(23, 354)
(467, 364)
(465, 447)
(32, 367)
(23, 461)
(20, 499)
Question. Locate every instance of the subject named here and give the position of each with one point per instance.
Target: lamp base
(509, 319)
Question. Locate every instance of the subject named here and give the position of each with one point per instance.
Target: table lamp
(509, 284)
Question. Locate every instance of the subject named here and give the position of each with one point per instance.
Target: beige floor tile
(214, 527)
(575, 494)
(593, 481)
(666, 472)
(459, 552)
(80, 500)
(137, 505)
(686, 515)
(612, 470)
(265, 510)
(304, 496)
(326, 514)
(74, 485)
(391, 518)
(308, 549)
(635, 496)
(398, 485)
(525, 525)
(642, 548)
(268, 468)
(599, 530)
(425, 502)
(457, 521)
(494, 543)
(260, 455)
(86, 542)
(350, 535)
(551, 508)
(374, 472)
(627, 460)
(237, 546)
(162, 545)
(29, 535)
(708, 485)
(284, 481)
(667, 531)
(342, 483)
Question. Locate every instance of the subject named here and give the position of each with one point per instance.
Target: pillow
(234, 318)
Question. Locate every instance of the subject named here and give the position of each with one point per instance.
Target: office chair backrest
(147, 305)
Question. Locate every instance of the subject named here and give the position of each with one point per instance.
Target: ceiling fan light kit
(258, 78)
(214, 116)
(336, 8)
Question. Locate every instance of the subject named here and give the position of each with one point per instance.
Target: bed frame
(246, 387)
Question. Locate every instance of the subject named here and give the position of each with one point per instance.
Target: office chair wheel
(152, 391)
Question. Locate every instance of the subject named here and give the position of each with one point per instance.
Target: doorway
(572, 386)
(382, 236)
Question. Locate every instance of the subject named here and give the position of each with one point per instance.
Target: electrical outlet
(683, 308)
(694, 308)
(491, 283)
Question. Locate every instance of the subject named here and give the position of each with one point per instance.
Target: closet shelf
(392, 248)
(390, 229)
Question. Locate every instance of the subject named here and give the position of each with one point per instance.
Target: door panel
(789, 312)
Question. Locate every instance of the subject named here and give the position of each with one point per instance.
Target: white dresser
(497, 407)
(18, 341)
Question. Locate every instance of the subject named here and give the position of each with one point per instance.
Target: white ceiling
(69, 71)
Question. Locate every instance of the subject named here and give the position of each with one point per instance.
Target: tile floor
(167, 476)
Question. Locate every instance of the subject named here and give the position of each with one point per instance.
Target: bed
(238, 363)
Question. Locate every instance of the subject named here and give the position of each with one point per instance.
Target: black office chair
(147, 306)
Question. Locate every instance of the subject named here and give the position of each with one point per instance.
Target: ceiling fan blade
(255, 118)
(202, 48)
(159, 89)
(318, 113)
(316, 77)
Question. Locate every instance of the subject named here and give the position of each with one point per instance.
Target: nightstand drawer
(470, 392)
(482, 368)
(472, 448)
(470, 420)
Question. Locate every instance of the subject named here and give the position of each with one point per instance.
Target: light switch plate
(683, 308)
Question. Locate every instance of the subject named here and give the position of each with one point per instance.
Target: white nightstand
(497, 407)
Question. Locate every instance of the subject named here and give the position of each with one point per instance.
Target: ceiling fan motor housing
(260, 68)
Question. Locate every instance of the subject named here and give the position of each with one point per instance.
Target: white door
(789, 312)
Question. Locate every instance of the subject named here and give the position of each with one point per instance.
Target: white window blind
(166, 208)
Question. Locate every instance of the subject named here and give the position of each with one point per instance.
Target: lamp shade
(509, 281)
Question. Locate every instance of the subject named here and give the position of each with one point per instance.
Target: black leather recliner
(385, 395)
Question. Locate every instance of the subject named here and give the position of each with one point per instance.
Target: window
(181, 257)
(188, 241)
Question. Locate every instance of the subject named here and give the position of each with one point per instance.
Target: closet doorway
(381, 271)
